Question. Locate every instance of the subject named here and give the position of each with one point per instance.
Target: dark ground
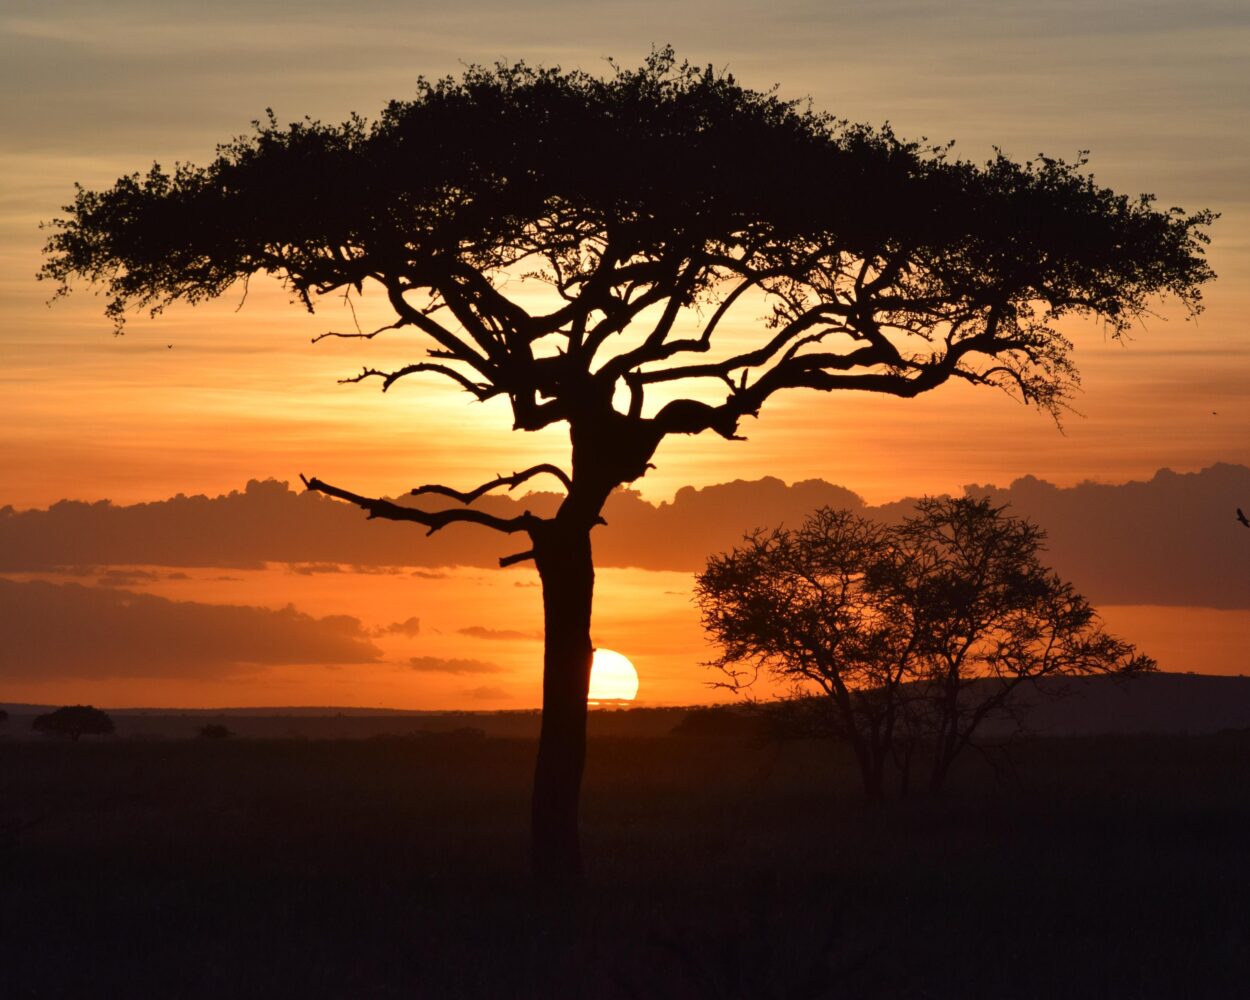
(1112, 866)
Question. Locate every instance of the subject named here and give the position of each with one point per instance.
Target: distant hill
(1158, 703)
(1155, 703)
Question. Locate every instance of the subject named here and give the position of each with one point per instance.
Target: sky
(1154, 90)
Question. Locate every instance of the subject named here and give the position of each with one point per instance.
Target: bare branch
(512, 482)
(482, 392)
(434, 520)
(721, 369)
(358, 335)
(453, 345)
(516, 557)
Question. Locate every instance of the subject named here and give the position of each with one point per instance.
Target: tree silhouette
(914, 633)
(74, 721)
(574, 245)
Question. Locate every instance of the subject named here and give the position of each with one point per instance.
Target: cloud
(439, 665)
(1168, 541)
(126, 577)
(68, 630)
(265, 523)
(481, 632)
(309, 569)
(409, 627)
(486, 693)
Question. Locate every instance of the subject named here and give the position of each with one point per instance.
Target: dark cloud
(482, 632)
(68, 630)
(409, 627)
(265, 523)
(1171, 540)
(439, 665)
(310, 569)
(486, 693)
(126, 578)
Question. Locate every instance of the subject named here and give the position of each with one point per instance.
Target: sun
(612, 677)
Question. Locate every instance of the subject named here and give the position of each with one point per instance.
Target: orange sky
(1155, 91)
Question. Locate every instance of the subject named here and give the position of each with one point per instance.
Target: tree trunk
(870, 774)
(564, 563)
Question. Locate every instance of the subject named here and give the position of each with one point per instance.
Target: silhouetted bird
(170, 346)
(1242, 517)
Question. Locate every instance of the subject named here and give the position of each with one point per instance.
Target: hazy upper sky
(1157, 91)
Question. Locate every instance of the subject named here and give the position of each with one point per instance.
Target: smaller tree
(915, 633)
(74, 721)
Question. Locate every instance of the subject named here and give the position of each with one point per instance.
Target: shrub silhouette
(214, 731)
(74, 721)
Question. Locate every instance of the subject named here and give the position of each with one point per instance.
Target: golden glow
(612, 677)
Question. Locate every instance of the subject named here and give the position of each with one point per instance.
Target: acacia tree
(914, 632)
(648, 206)
(990, 617)
(798, 605)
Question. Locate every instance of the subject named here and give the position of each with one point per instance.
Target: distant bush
(4, 716)
(74, 721)
(214, 731)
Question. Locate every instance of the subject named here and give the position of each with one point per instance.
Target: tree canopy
(887, 265)
(74, 721)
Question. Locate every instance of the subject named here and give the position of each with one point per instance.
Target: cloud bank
(1171, 540)
(68, 630)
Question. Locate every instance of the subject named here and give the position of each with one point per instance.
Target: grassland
(1092, 866)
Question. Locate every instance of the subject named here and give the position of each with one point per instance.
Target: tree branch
(434, 520)
(358, 335)
(454, 346)
(516, 557)
(512, 482)
(482, 392)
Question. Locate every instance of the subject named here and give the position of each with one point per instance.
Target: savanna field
(718, 866)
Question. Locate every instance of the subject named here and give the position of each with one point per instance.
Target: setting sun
(612, 677)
